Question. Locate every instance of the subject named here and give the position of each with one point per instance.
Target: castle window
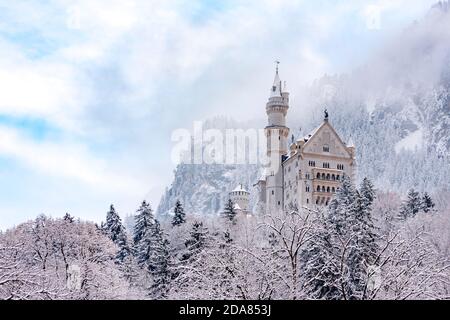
(326, 148)
(307, 188)
(333, 190)
(326, 165)
(323, 189)
(318, 188)
(317, 201)
(328, 176)
(328, 189)
(307, 176)
(333, 177)
(307, 201)
(323, 176)
(340, 167)
(312, 163)
(273, 192)
(318, 175)
(337, 177)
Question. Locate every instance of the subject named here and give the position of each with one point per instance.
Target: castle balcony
(327, 175)
(322, 194)
(322, 198)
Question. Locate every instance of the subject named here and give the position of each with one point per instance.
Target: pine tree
(68, 218)
(197, 240)
(179, 215)
(352, 238)
(365, 250)
(115, 230)
(229, 213)
(159, 262)
(320, 264)
(342, 224)
(367, 193)
(344, 207)
(427, 203)
(369, 236)
(144, 219)
(411, 206)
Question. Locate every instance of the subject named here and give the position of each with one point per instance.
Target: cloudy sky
(90, 90)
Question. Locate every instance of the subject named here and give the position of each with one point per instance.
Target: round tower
(240, 198)
(277, 135)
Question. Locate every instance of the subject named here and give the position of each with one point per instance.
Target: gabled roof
(311, 135)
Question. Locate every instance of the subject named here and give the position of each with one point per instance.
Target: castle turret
(240, 198)
(277, 134)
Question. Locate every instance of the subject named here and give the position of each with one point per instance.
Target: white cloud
(68, 161)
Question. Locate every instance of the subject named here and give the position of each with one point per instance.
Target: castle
(307, 172)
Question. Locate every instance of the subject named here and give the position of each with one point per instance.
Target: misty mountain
(204, 188)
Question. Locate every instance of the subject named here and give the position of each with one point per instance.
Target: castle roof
(239, 188)
(276, 87)
(311, 135)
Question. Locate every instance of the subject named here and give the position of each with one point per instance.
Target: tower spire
(276, 87)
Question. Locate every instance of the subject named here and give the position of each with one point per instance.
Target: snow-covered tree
(159, 263)
(144, 220)
(229, 213)
(179, 215)
(427, 203)
(68, 217)
(411, 206)
(197, 241)
(320, 271)
(115, 230)
(57, 259)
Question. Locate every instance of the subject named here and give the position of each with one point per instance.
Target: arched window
(323, 188)
(337, 177)
(318, 175)
(328, 189)
(317, 201)
(333, 190)
(328, 176)
(318, 188)
(333, 177)
(323, 176)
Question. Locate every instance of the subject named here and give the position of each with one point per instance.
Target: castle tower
(240, 198)
(277, 134)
